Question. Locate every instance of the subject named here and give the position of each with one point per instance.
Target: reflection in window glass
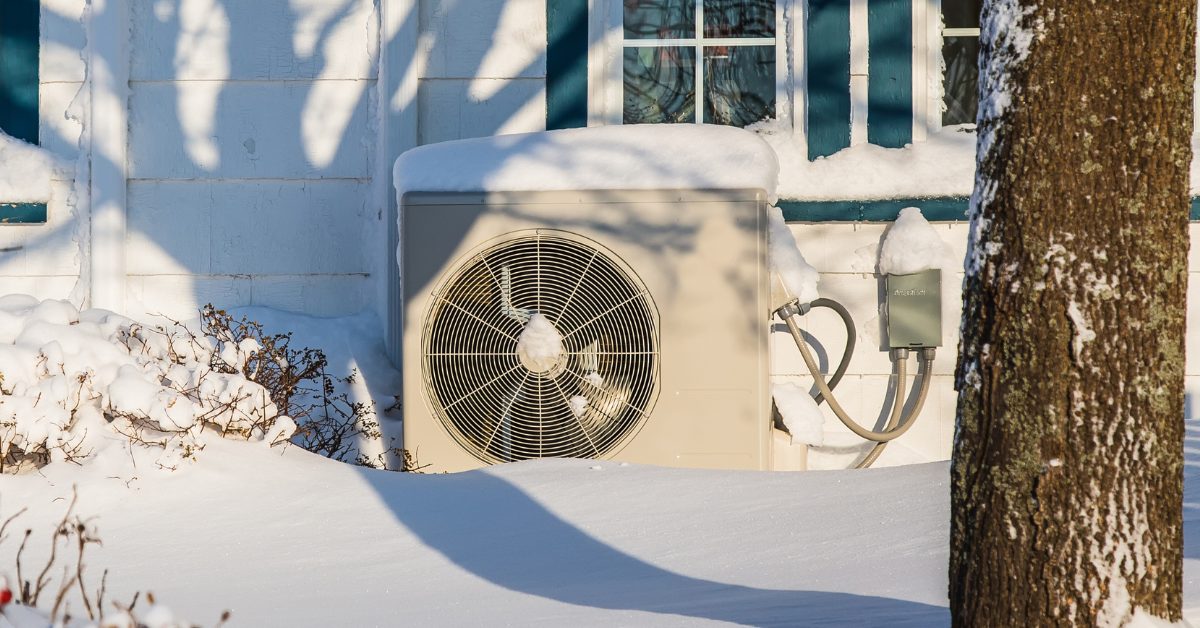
(961, 79)
(659, 85)
(739, 18)
(739, 84)
(961, 13)
(660, 19)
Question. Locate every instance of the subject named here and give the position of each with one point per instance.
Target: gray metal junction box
(914, 309)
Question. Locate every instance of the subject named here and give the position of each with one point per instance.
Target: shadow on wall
(252, 137)
(1191, 485)
(490, 528)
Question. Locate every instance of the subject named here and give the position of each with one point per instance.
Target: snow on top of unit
(912, 245)
(645, 156)
(25, 171)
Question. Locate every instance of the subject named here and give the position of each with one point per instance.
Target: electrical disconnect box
(914, 309)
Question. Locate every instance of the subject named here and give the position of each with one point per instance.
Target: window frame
(607, 42)
(929, 33)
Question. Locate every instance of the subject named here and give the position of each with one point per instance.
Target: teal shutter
(19, 32)
(889, 81)
(827, 50)
(19, 35)
(566, 63)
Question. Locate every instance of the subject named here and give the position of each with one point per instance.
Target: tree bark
(1067, 473)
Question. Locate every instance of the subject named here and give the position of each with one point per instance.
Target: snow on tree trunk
(1067, 467)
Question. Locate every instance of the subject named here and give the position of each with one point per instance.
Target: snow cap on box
(632, 156)
(912, 245)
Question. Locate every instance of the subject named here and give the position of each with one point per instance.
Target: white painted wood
(58, 133)
(320, 295)
(858, 72)
(108, 32)
(261, 130)
(260, 40)
(920, 69)
(797, 54)
(485, 38)
(62, 41)
(402, 63)
(181, 296)
(248, 227)
(453, 109)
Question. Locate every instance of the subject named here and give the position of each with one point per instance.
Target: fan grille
(593, 399)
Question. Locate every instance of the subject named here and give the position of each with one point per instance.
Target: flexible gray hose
(922, 392)
(887, 435)
(851, 338)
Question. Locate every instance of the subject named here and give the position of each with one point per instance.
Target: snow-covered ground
(282, 537)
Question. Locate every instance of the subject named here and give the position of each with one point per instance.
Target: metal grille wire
(494, 406)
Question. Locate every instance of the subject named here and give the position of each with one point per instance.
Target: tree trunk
(1067, 472)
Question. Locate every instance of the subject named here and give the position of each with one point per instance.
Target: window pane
(739, 18)
(961, 79)
(660, 85)
(660, 19)
(739, 84)
(961, 13)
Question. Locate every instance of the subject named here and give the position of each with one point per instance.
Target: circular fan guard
(605, 383)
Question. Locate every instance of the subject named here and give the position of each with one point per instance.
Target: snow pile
(540, 346)
(912, 245)
(25, 171)
(800, 413)
(787, 263)
(638, 157)
(943, 165)
(67, 377)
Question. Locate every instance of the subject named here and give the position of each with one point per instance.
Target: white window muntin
(607, 43)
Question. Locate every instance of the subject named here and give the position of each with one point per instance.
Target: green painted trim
(19, 34)
(827, 50)
(941, 208)
(935, 208)
(566, 63)
(889, 77)
(22, 213)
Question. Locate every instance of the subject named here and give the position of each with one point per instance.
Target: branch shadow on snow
(494, 530)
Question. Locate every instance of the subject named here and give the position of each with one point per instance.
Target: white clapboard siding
(62, 40)
(253, 39)
(484, 38)
(284, 129)
(451, 109)
(181, 296)
(249, 227)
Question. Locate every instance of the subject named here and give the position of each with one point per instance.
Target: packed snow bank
(315, 543)
(912, 245)
(627, 157)
(321, 544)
(943, 165)
(25, 171)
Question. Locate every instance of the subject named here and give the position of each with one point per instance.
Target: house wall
(255, 174)
(44, 259)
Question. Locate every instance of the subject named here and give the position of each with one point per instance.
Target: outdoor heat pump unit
(627, 325)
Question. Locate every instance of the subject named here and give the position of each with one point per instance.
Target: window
(960, 49)
(710, 61)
